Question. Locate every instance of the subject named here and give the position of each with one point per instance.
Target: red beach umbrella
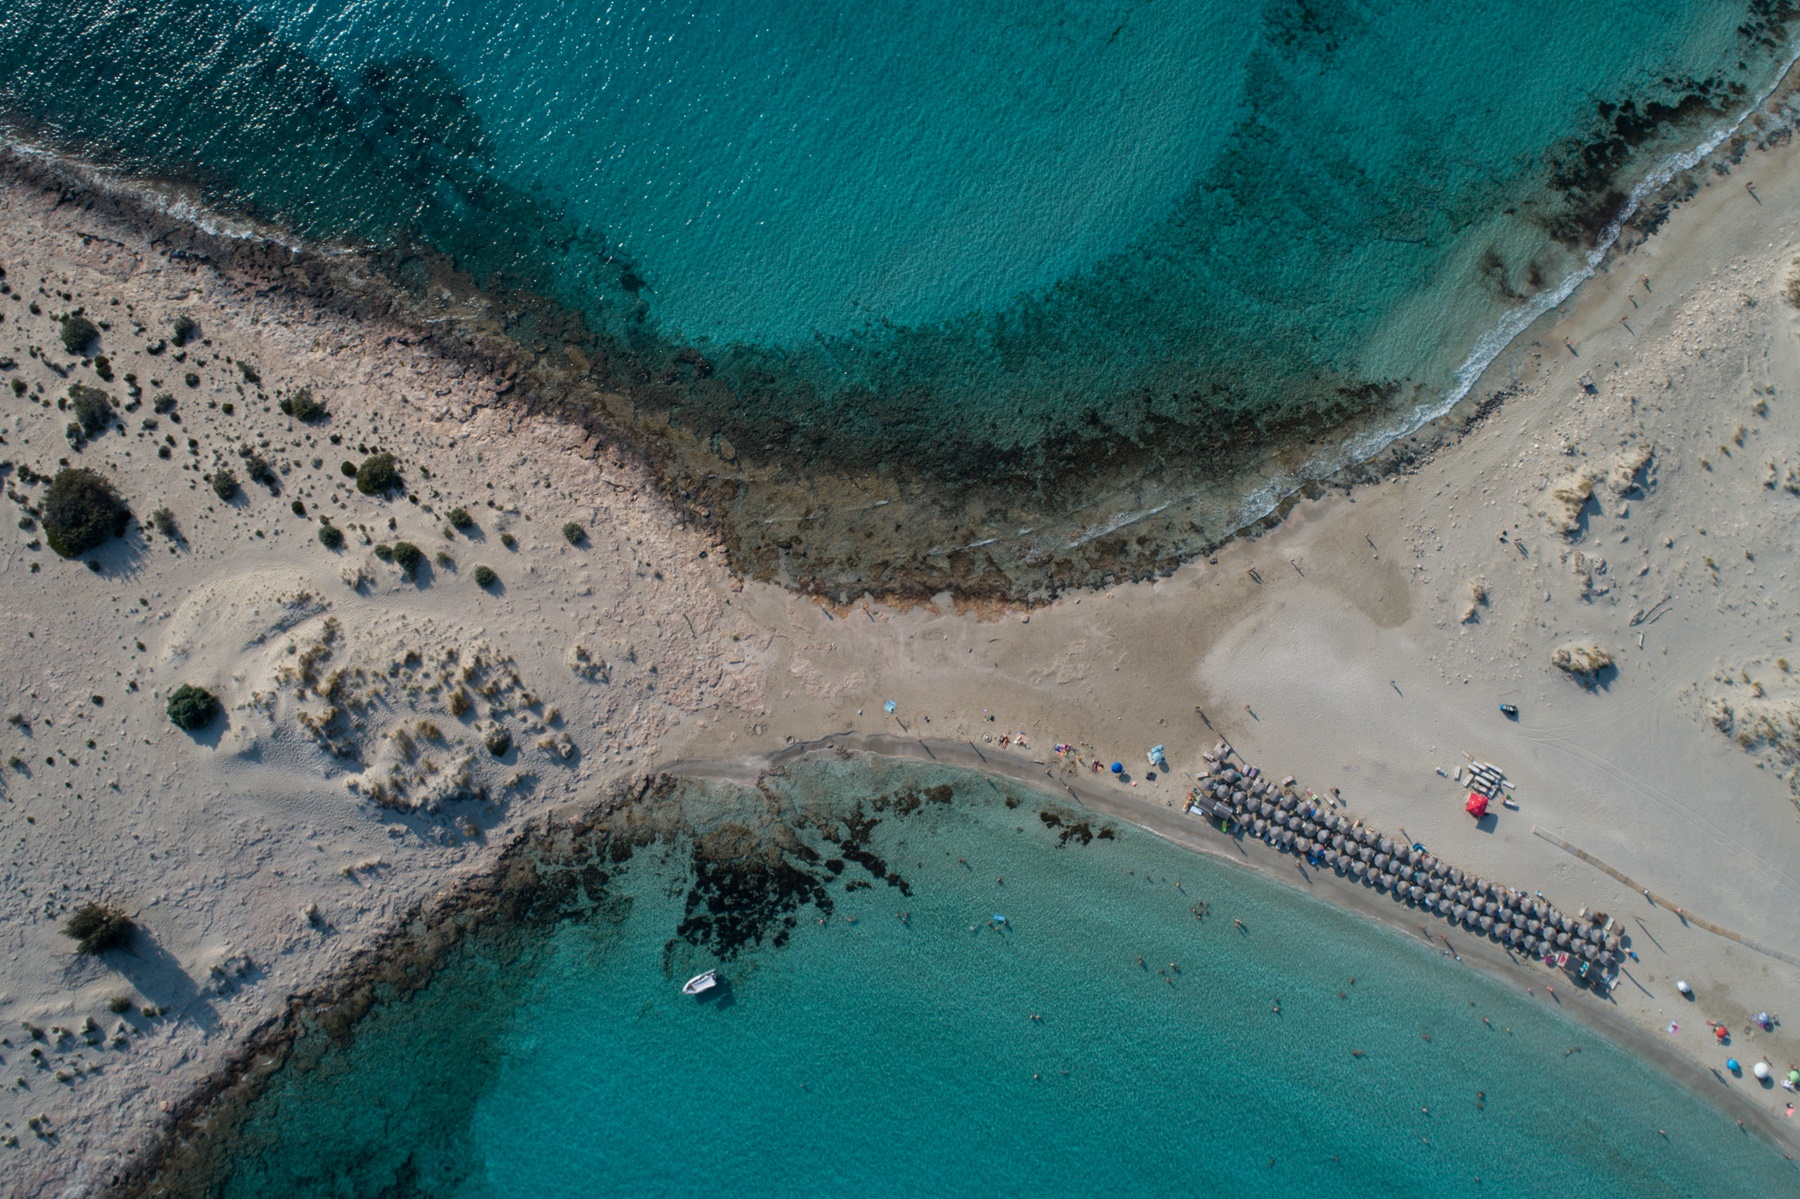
(1477, 805)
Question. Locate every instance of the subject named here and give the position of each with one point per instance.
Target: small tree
(575, 533)
(331, 537)
(258, 468)
(78, 333)
(92, 408)
(302, 407)
(98, 927)
(224, 483)
(183, 329)
(407, 556)
(192, 708)
(377, 474)
(460, 520)
(81, 510)
(485, 576)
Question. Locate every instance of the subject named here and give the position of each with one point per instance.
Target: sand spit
(1364, 644)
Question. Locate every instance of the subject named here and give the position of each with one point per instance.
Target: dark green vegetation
(98, 927)
(93, 408)
(183, 329)
(258, 468)
(460, 520)
(485, 576)
(331, 537)
(575, 533)
(224, 483)
(302, 407)
(163, 521)
(377, 474)
(509, 541)
(192, 708)
(78, 333)
(81, 510)
(407, 556)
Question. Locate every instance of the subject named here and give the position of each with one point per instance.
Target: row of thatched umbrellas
(1406, 872)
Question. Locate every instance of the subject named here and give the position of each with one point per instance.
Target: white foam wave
(167, 199)
(1258, 504)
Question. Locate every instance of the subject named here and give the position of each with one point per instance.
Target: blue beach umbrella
(1731, 1064)
(1118, 768)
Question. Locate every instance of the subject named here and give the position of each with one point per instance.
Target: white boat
(701, 982)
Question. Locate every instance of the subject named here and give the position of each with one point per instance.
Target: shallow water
(1031, 274)
(877, 1032)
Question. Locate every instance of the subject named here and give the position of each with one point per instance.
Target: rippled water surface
(1048, 278)
(939, 985)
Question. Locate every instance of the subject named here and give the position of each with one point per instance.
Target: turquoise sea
(1000, 293)
(939, 985)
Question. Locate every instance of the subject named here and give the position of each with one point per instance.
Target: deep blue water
(878, 1034)
(1032, 270)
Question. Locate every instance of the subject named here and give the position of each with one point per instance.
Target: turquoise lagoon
(1002, 293)
(888, 933)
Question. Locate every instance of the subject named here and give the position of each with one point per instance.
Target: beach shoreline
(1241, 851)
(1294, 621)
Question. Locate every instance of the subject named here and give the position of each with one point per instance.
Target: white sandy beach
(255, 860)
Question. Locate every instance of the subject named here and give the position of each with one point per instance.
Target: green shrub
(407, 556)
(103, 367)
(19, 387)
(443, 560)
(298, 507)
(574, 532)
(509, 541)
(191, 379)
(385, 552)
(460, 520)
(162, 403)
(331, 537)
(192, 708)
(92, 408)
(377, 474)
(224, 483)
(164, 522)
(81, 510)
(485, 577)
(183, 328)
(258, 468)
(250, 373)
(98, 927)
(302, 407)
(78, 332)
